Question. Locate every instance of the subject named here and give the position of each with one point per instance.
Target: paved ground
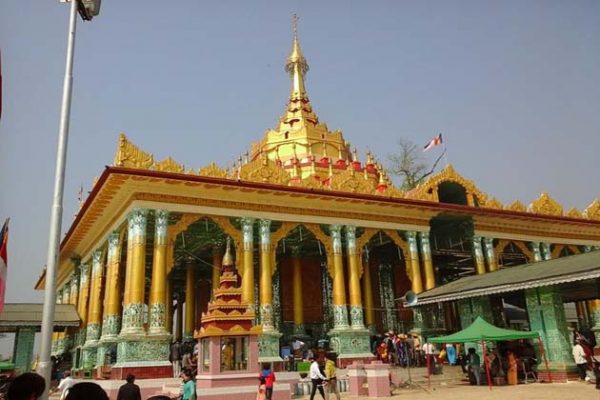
(535, 391)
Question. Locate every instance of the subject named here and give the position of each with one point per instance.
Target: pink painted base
(357, 379)
(378, 379)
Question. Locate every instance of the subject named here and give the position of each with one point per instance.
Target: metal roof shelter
(18, 315)
(578, 277)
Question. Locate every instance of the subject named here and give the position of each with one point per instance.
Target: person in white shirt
(65, 384)
(429, 350)
(316, 378)
(579, 356)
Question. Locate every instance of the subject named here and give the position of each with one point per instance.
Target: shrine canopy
(480, 330)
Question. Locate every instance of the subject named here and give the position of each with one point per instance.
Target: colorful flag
(3, 262)
(436, 141)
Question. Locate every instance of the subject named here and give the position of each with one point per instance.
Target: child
(262, 389)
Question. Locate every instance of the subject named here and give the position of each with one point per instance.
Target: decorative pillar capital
(351, 239)
(247, 232)
(137, 221)
(336, 238)
(265, 234)
(160, 226)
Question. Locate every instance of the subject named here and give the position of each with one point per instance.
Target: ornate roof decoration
(350, 181)
(493, 203)
(545, 205)
(517, 206)
(265, 171)
(214, 171)
(130, 156)
(428, 190)
(169, 165)
(392, 191)
(593, 210)
(574, 213)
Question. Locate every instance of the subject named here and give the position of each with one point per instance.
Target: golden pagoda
(324, 245)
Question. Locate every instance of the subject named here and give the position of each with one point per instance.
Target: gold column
(368, 292)
(133, 308)
(158, 286)
(478, 255)
(128, 264)
(427, 262)
(340, 309)
(84, 287)
(248, 259)
(55, 335)
(112, 294)
(190, 300)
(95, 305)
(266, 273)
(297, 292)
(356, 308)
(490, 254)
(217, 264)
(74, 297)
(415, 270)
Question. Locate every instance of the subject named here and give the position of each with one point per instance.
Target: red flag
(3, 262)
(437, 140)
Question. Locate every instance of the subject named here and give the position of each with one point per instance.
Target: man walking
(330, 374)
(316, 378)
(579, 356)
(129, 391)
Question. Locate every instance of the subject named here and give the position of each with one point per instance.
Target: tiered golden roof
(302, 151)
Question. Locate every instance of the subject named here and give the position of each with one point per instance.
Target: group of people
(184, 356)
(398, 349)
(31, 386)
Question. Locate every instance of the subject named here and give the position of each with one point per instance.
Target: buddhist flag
(3, 262)
(436, 141)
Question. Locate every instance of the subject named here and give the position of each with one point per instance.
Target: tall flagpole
(45, 365)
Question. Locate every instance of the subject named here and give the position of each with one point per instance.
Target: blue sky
(513, 86)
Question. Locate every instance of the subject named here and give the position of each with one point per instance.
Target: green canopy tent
(481, 331)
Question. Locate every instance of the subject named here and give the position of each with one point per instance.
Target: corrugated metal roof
(22, 314)
(544, 273)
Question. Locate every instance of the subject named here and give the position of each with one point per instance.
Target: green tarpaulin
(480, 330)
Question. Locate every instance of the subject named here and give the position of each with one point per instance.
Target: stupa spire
(296, 65)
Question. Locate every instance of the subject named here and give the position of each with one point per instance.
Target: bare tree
(409, 164)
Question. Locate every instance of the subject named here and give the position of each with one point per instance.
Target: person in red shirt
(269, 376)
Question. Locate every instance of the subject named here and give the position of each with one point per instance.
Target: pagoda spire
(297, 66)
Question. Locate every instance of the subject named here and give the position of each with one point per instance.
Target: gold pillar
(190, 300)
(478, 255)
(266, 274)
(158, 286)
(74, 297)
(133, 306)
(84, 287)
(368, 291)
(340, 309)
(95, 304)
(356, 308)
(427, 262)
(248, 260)
(415, 270)
(112, 293)
(297, 292)
(490, 254)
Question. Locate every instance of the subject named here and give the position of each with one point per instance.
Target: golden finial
(296, 64)
(324, 150)
(227, 258)
(354, 155)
